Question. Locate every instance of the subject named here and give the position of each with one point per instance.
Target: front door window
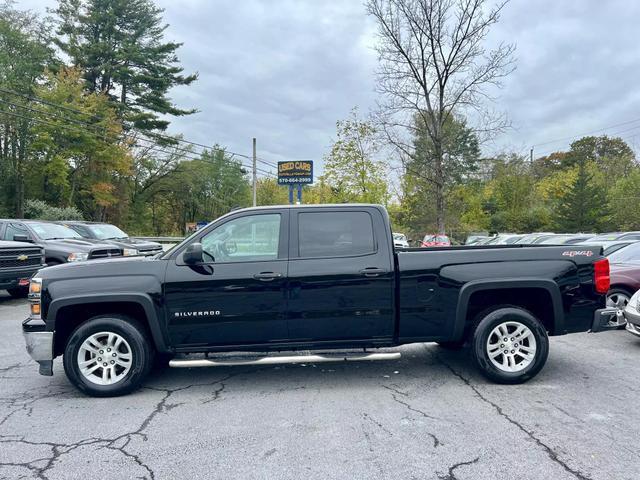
(253, 238)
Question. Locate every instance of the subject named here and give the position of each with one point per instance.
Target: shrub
(43, 211)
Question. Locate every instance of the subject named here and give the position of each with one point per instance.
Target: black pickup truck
(322, 278)
(18, 262)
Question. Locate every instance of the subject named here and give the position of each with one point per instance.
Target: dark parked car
(18, 262)
(321, 277)
(107, 233)
(60, 243)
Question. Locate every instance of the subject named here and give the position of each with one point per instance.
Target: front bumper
(601, 320)
(11, 278)
(632, 316)
(39, 344)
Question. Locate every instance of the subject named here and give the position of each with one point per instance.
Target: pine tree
(119, 46)
(584, 207)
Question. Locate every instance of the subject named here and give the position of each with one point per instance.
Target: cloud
(284, 71)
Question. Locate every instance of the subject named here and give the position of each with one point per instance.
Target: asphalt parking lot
(426, 416)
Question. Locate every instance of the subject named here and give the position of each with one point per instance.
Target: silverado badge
(22, 257)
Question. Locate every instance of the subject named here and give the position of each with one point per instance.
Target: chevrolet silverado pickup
(309, 278)
(18, 262)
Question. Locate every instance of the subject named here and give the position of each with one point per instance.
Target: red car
(625, 278)
(436, 241)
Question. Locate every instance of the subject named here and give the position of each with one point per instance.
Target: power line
(154, 146)
(169, 138)
(586, 133)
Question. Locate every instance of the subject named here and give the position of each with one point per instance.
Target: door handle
(267, 276)
(372, 271)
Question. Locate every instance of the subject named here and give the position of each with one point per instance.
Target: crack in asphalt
(451, 475)
(369, 418)
(394, 392)
(60, 449)
(551, 453)
(24, 403)
(12, 367)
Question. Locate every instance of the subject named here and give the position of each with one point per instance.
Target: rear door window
(335, 234)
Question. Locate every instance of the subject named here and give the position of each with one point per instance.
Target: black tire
(142, 354)
(489, 320)
(452, 345)
(18, 292)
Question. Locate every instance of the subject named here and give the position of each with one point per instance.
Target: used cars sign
(291, 173)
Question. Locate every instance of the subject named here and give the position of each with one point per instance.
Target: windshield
(50, 231)
(628, 254)
(104, 231)
(399, 236)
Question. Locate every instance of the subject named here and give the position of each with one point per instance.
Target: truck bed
(554, 281)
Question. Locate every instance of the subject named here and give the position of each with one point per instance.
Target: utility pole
(255, 175)
(531, 156)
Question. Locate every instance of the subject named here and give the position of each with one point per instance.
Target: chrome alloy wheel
(511, 346)
(619, 301)
(104, 358)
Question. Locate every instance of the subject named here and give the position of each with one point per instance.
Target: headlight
(129, 252)
(35, 291)
(78, 257)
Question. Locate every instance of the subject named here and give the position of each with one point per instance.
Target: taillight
(601, 277)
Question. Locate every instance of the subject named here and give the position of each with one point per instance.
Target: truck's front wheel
(510, 345)
(108, 355)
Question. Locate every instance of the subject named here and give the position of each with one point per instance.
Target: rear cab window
(335, 234)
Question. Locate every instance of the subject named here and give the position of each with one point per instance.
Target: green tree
(584, 207)
(270, 193)
(351, 169)
(204, 189)
(460, 151)
(599, 150)
(24, 53)
(80, 151)
(513, 204)
(120, 47)
(624, 201)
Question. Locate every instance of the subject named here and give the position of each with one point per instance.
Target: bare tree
(433, 64)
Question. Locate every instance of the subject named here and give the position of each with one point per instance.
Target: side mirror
(193, 254)
(22, 238)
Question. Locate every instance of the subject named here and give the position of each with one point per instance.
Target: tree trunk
(439, 183)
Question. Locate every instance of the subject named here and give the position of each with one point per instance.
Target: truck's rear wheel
(510, 345)
(108, 355)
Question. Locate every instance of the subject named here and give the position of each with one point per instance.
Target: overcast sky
(284, 71)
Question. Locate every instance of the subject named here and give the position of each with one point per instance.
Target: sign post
(295, 174)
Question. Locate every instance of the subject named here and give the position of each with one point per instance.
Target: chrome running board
(279, 360)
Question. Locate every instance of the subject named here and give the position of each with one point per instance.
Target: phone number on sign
(294, 180)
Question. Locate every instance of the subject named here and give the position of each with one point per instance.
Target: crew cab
(18, 263)
(320, 278)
